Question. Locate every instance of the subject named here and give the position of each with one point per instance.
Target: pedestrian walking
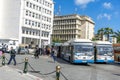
(37, 52)
(42, 51)
(12, 56)
(48, 51)
(53, 53)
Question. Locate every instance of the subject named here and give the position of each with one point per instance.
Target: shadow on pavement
(61, 61)
(116, 64)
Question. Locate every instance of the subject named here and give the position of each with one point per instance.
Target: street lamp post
(40, 31)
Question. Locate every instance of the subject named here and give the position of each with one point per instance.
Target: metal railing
(27, 64)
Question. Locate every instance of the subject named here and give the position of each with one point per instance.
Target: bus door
(59, 51)
(95, 54)
(71, 52)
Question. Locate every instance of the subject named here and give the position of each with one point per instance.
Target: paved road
(71, 71)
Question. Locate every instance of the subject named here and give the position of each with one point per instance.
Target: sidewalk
(8, 73)
(44, 65)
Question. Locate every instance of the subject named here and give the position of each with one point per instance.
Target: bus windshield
(105, 50)
(84, 49)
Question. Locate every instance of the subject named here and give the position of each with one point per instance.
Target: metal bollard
(57, 72)
(3, 59)
(26, 66)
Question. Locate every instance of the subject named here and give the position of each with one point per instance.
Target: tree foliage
(56, 40)
(104, 31)
(107, 32)
(100, 33)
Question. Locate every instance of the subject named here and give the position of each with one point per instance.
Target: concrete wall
(9, 26)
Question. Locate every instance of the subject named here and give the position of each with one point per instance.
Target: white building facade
(28, 21)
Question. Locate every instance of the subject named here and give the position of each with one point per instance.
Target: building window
(30, 5)
(23, 31)
(45, 11)
(33, 15)
(36, 16)
(39, 16)
(27, 4)
(43, 2)
(42, 17)
(39, 1)
(33, 6)
(39, 8)
(29, 22)
(35, 24)
(38, 24)
(50, 5)
(33, 33)
(26, 13)
(26, 21)
(36, 7)
(29, 13)
(32, 23)
(30, 33)
(26, 32)
(36, 32)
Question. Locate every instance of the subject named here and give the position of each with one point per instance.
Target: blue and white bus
(103, 51)
(78, 51)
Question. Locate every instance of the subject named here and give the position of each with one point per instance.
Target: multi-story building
(73, 26)
(27, 20)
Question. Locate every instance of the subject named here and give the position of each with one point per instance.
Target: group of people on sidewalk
(48, 51)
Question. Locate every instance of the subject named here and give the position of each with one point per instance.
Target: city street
(80, 31)
(46, 66)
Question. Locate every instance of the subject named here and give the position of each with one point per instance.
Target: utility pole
(40, 31)
(59, 10)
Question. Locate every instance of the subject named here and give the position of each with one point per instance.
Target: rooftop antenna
(76, 10)
(59, 10)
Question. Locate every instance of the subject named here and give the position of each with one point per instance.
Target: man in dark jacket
(37, 52)
(12, 56)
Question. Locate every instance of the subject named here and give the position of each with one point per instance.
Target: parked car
(22, 50)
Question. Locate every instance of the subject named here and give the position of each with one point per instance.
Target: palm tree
(100, 33)
(117, 35)
(107, 32)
